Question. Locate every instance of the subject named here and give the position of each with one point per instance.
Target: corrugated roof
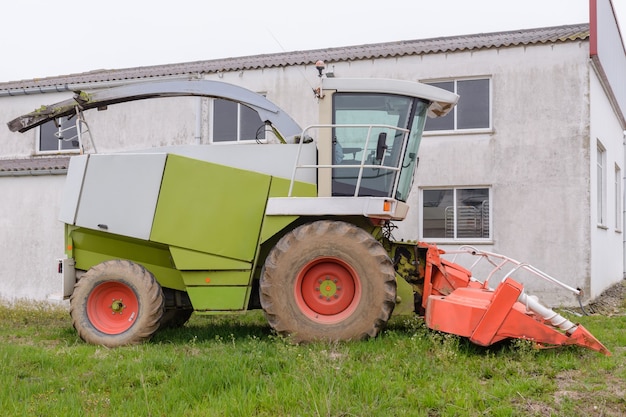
(34, 166)
(348, 53)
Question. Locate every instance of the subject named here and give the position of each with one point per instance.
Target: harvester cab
(297, 224)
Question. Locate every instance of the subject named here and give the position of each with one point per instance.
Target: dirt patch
(612, 301)
(603, 396)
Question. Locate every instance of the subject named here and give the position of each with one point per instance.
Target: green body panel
(218, 298)
(404, 297)
(90, 247)
(186, 259)
(216, 278)
(210, 208)
(280, 188)
(409, 280)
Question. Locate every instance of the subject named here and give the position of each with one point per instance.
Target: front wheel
(328, 280)
(117, 303)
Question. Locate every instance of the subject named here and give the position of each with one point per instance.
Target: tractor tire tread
(149, 292)
(373, 254)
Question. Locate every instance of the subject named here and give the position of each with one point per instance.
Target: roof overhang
(442, 101)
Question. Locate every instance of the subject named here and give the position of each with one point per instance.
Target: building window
(456, 214)
(473, 110)
(235, 122)
(618, 198)
(601, 183)
(60, 137)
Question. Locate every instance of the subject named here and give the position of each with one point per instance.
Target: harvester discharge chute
(453, 301)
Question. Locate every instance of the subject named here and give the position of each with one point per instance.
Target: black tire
(174, 318)
(330, 281)
(117, 303)
(178, 309)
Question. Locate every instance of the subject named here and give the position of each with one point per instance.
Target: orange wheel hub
(327, 289)
(112, 307)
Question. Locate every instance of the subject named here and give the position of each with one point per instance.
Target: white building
(532, 158)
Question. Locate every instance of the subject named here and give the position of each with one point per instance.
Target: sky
(43, 38)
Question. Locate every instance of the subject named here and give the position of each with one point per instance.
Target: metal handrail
(78, 127)
(362, 165)
(504, 260)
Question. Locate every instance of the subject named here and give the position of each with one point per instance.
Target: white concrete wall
(31, 237)
(144, 124)
(22, 145)
(606, 244)
(535, 158)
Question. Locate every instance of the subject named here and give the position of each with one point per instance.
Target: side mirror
(381, 147)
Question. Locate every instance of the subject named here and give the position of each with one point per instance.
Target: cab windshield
(375, 142)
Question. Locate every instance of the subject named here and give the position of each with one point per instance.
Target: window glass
(353, 145)
(252, 127)
(224, 120)
(471, 112)
(446, 122)
(473, 106)
(434, 207)
(233, 121)
(409, 163)
(63, 137)
(457, 213)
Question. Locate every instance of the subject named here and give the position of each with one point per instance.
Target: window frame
(456, 239)
(241, 108)
(454, 112)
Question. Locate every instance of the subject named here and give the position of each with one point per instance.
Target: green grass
(234, 366)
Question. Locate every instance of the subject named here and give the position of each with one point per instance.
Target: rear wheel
(328, 280)
(174, 318)
(116, 303)
(178, 309)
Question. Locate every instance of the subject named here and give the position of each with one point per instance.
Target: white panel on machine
(277, 160)
(72, 189)
(120, 193)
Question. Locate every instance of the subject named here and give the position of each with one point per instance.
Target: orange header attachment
(456, 303)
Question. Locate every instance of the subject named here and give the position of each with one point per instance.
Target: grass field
(234, 366)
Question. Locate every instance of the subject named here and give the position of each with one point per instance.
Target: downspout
(624, 207)
(198, 134)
